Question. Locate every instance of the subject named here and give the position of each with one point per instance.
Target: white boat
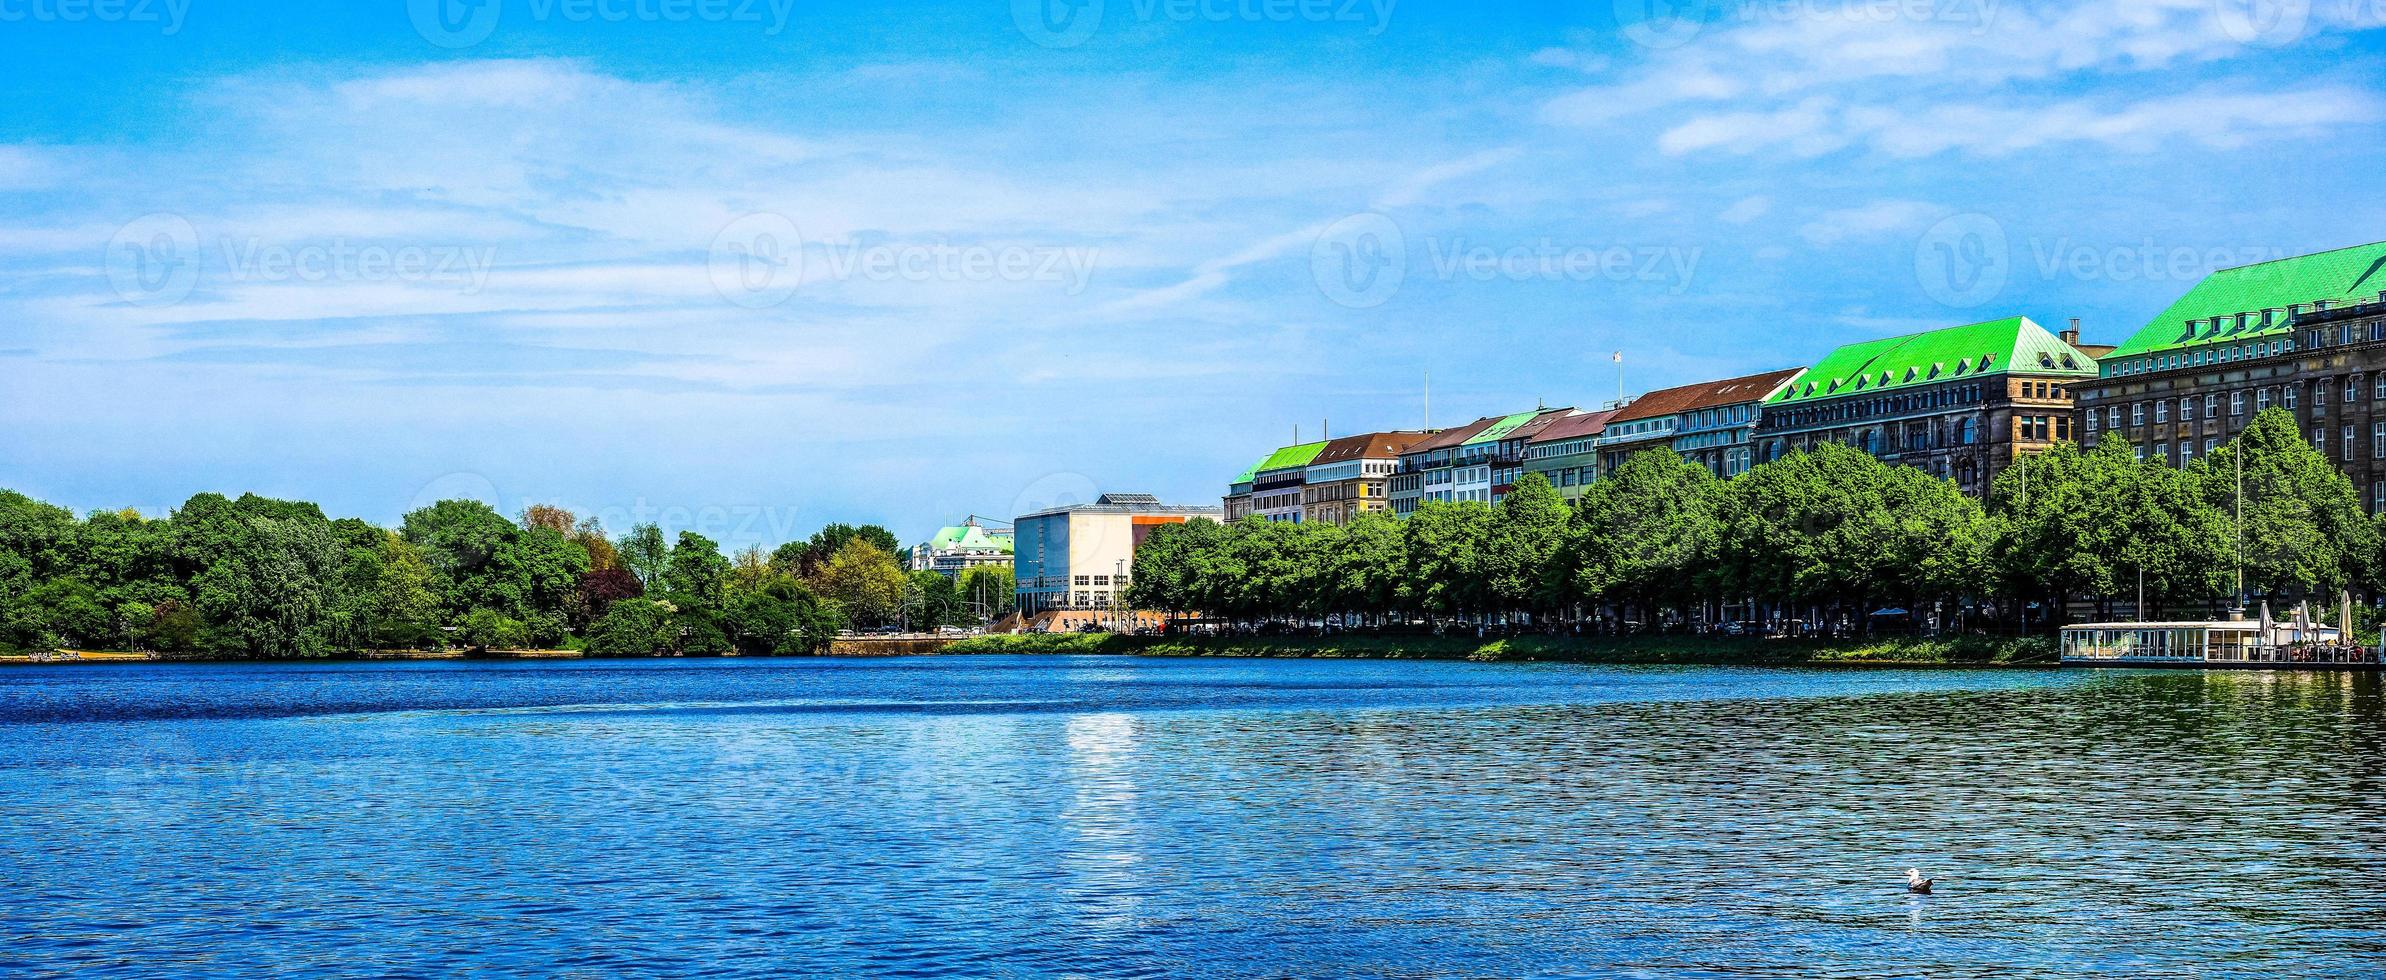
(2262, 643)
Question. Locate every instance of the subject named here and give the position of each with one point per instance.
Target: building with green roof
(959, 547)
(2305, 333)
(1271, 488)
(1961, 402)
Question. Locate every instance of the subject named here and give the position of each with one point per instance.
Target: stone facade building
(1960, 402)
(2306, 334)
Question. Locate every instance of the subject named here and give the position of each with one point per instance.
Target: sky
(748, 267)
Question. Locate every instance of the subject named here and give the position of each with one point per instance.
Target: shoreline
(1967, 651)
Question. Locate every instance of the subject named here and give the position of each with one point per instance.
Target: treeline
(258, 577)
(1832, 535)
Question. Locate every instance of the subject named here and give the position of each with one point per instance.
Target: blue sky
(754, 267)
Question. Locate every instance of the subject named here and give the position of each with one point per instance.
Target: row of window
(1867, 408)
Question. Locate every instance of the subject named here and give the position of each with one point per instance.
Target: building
(1959, 402)
(1426, 471)
(1082, 556)
(1271, 488)
(2307, 334)
(1566, 451)
(1350, 474)
(956, 549)
(1485, 465)
(1712, 423)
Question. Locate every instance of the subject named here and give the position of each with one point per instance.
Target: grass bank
(1972, 651)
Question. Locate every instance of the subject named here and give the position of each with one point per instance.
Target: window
(2352, 389)
(2091, 419)
(2162, 451)
(2137, 414)
(2208, 444)
(2377, 496)
(2186, 452)
(2162, 411)
(2346, 437)
(2377, 440)
(2212, 406)
(1085, 580)
(2112, 417)
(2187, 410)
(2319, 395)
(2319, 440)
(2261, 400)
(2236, 403)
(2290, 393)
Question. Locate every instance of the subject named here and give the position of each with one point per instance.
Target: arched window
(1967, 432)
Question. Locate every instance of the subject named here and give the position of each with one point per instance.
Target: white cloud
(1747, 209)
(1868, 221)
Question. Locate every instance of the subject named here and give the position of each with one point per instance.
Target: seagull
(1914, 882)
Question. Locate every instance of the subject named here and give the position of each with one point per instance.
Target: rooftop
(969, 537)
(1130, 503)
(1371, 445)
(1446, 438)
(1916, 359)
(1573, 426)
(2342, 277)
(1706, 394)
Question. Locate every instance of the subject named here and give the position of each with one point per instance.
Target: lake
(1103, 816)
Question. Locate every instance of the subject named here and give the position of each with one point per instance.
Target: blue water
(1130, 817)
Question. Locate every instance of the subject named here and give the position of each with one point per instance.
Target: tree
(781, 618)
(2303, 530)
(863, 580)
(931, 600)
(635, 628)
(1648, 533)
(695, 574)
(1528, 529)
(404, 610)
(992, 591)
(804, 558)
(262, 574)
(1362, 575)
(644, 553)
(1445, 562)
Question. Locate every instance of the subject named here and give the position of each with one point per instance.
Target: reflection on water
(974, 816)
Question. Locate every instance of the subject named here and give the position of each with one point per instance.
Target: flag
(1618, 358)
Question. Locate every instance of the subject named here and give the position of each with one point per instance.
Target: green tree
(1530, 528)
(645, 554)
(863, 580)
(1445, 561)
(635, 628)
(992, 591)
(1648, 533)
(2304, 532)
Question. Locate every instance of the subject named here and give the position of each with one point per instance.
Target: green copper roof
(2343, 277)
(1290, 456)
(969, 536)
(1499, 430)
(1994, 347)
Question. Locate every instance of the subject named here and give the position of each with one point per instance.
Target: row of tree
(1831, 532)
(261, 577)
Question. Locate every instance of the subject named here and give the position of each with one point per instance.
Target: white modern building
(1081, 556)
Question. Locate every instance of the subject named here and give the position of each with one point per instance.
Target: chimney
(2070, 334)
